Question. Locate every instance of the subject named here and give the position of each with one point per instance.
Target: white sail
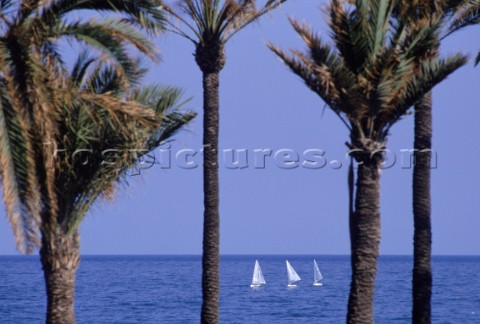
(317, 275)
(292, 275)
(258, 278)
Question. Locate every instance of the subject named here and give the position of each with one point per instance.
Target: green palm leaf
(127, 122)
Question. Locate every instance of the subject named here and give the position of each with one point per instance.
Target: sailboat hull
(255, 286)
(317, 284)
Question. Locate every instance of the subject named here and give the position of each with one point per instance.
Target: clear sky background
(296, 211)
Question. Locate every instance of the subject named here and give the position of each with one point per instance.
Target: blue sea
(167, 289)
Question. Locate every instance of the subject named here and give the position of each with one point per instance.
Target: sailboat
(293, 276)
(317, 275)
(258, 280)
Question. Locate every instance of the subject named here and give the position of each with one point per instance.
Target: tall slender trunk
(422, 237)
(60, 256)
(211, 225)
(351, 201)
(365, 235)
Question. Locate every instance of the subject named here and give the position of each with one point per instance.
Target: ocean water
(167, 289)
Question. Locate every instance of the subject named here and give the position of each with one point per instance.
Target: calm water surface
(167, 289)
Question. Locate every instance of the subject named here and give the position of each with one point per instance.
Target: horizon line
(244, 254)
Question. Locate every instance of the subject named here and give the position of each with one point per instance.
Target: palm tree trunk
(60, 257)
(351, 202)
(211, 226)
(422, 238)
(365, 235)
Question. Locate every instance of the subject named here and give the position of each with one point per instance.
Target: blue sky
(288, 211)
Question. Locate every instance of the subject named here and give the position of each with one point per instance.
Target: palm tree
(44, 109)
(209, 24)
(369, 78)
(412, 13)
(116, 125)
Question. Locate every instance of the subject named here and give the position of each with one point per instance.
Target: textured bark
(60, 257)
(365, 235)
(211, 225)
(422, 239)
(351, 201)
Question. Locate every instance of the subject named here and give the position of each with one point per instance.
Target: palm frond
(165, 101)
(105, 126)
(376, 70)
(432, 73)
(20, 186)
(212, 20)
(467, 16)
(141, 13)
(80, 68)
(110, 35)
(247, 17)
